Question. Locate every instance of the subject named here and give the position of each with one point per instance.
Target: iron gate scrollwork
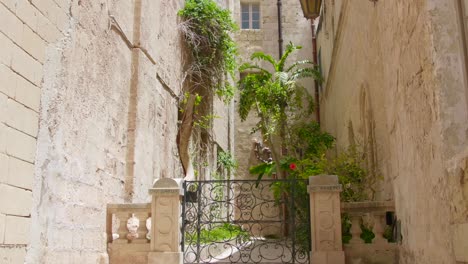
(246, 221)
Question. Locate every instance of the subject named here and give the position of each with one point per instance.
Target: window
(250, 15)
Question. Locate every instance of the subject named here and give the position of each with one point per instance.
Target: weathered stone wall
(88, 116)
(107, 126)
(296, 29)
(222, 124)
(26, 28)
(396, 84)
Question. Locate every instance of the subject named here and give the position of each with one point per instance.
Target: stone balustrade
(128, 232)
(371, 215)
(128, 223)
(149, 233)
(146, 233)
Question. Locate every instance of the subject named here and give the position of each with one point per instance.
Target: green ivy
(227, 161)
(207, 31)
(346, 228)
(205, 121)
(367, 235)
(357, 183)
(310, 140)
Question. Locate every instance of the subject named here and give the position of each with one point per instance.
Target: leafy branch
(206, 29)
(276, 96)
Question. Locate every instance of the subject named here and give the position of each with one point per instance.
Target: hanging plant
(207, 30)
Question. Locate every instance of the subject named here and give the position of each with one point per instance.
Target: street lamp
(311, 8)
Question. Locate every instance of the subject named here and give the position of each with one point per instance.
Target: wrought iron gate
(246, 221)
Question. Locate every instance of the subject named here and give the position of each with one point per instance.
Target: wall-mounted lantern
(311, 8)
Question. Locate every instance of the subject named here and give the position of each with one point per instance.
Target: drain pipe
(316, 84)
(280, 30)
(283, 149)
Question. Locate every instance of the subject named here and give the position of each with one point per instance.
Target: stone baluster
(142, 230)
(379, 228)
(325, 218)
(109, 226)
(133, 223)
(148, 227)
(122, 230)
(165, 225)
(355, 229)
(114, 227)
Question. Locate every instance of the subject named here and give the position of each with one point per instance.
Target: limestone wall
(88, 116)
(25, 30)
(296, 29)
(396, 84)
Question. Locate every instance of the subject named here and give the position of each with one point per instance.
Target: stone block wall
(26, 29)
(88, 116)
(396, 84)
(108, 123)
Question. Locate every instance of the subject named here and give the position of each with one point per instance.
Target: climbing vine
(211, 52)
(226, 161)
(207, 29)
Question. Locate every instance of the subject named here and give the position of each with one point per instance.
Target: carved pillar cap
(324, 183)
(167, 186)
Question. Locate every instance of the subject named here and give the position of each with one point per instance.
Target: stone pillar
(165, 224)
(325, 220)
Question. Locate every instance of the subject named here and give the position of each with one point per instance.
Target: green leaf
(264, 168)
(207, 30)
(253, 68)
(298, 63)
(276, 96)
(261, 170)
(262, 56)
(282, 77)
(289, 49)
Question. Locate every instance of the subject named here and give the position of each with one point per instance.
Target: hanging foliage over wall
(206, 29)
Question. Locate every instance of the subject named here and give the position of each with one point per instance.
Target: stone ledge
(325, 188)
(165, 190)
(368, 206)
(129, 206)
